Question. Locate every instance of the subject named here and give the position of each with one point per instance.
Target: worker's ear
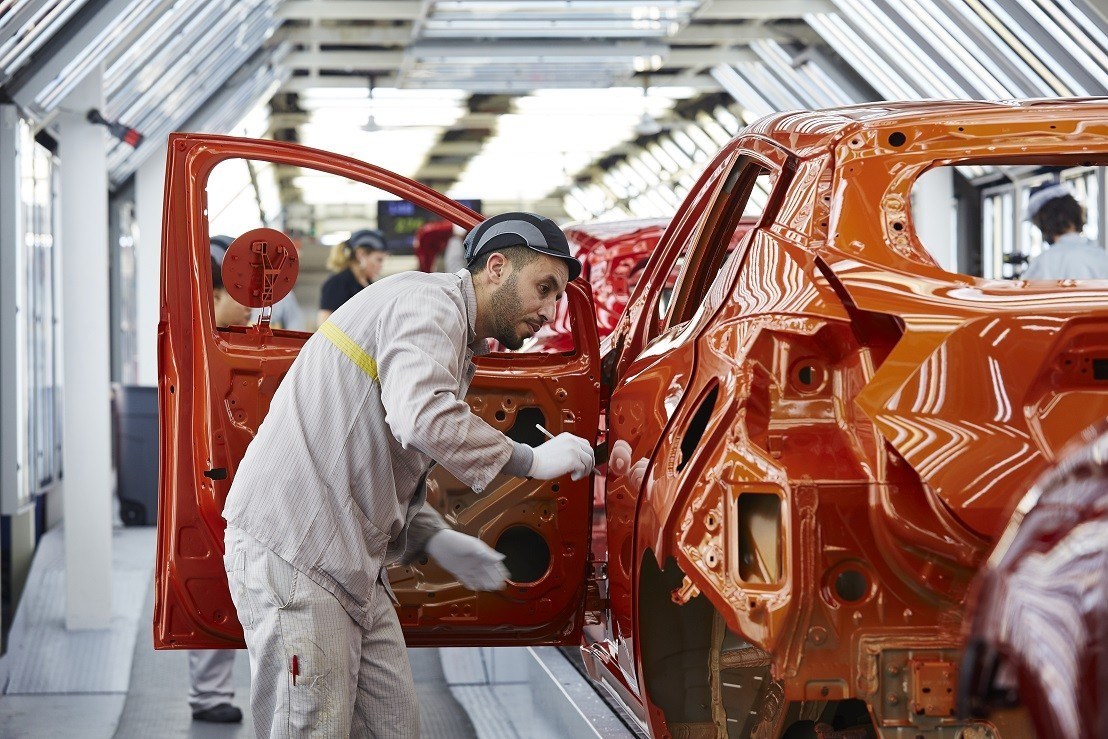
(498, 267)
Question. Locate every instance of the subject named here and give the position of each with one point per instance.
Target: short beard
(507, 309)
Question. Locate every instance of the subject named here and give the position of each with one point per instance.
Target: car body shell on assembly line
(815, 433)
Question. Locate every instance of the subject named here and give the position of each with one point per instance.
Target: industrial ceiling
(589, 108)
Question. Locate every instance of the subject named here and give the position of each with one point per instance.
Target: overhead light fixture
(647, 126)
(370, 125)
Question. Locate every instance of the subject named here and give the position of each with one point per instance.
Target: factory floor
(112, 683)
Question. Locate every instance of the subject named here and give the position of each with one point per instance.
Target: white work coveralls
(1072, 257)
(332, 489)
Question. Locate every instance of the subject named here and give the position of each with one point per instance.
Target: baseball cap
(218, 246)
(1043, 194)
(368, 237)
(520, 229)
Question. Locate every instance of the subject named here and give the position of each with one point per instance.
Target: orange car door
(215, 387)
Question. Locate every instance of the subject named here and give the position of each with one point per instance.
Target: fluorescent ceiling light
(552, 136)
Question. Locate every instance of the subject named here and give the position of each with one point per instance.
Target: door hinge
(596, 592)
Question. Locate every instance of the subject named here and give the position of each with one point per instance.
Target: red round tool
(260, 267)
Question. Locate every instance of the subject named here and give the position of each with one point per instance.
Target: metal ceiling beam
(352, 61)
(346, 10)
(729, 33)
(348, 35)
(468, 120)
(700, 82)
(303, 83)
(357, 61)
(439, 172)
(703, 58)
(85, 42)
(253, 82)
(761, 9)
(456, 148)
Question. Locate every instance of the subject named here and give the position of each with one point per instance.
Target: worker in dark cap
(357, 262)
(1053, 209)
(331, 490)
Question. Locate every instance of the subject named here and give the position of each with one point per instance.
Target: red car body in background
(612, 256)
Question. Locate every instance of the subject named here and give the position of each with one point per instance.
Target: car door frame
(185, 570)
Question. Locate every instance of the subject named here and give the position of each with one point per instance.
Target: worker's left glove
(476, 565)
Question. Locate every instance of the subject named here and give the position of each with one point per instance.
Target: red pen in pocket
(295, 668)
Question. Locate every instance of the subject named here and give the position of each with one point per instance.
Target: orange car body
(814, 439)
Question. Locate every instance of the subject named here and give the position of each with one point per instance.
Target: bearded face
(525, 300)
(508, 314)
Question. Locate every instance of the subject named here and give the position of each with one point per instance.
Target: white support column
(149, 190)
(86, 418)
(22, 549)
(935, 216)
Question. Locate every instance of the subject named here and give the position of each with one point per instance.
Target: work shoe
(224, 713)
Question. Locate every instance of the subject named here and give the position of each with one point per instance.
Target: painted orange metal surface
(215, 388)
(896, 411)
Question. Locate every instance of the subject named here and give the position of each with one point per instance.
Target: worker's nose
(546, 311)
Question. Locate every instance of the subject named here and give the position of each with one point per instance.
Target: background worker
(211, 686)
(1053, 209)
(356, 262)
(332, 489)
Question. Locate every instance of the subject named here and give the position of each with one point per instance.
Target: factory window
(974, 219)
(31, 289)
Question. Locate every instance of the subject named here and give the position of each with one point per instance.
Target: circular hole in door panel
(526, 553)
(809, 375)
(849, 583)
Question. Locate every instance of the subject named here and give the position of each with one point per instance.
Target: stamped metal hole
(851, 585)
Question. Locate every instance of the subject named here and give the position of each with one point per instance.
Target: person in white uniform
(331, 490)
(211, 686)
(1053, 209)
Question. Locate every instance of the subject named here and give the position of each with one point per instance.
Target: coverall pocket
(272, 580)
(310, 696)
(234, 563)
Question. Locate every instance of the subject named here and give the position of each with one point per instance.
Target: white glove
(565, 453)
(476, 565)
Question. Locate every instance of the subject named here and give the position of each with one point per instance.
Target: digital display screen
(399, 220)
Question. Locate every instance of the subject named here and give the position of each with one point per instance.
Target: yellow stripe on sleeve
(350, 348)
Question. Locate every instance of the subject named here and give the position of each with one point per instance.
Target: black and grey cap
(368, 238)
(520, 229)
(218, 246)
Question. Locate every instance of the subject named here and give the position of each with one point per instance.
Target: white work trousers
(314, 670)
(210, 677)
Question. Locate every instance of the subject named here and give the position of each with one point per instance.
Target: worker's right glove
(476, 565)
(564, 454)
